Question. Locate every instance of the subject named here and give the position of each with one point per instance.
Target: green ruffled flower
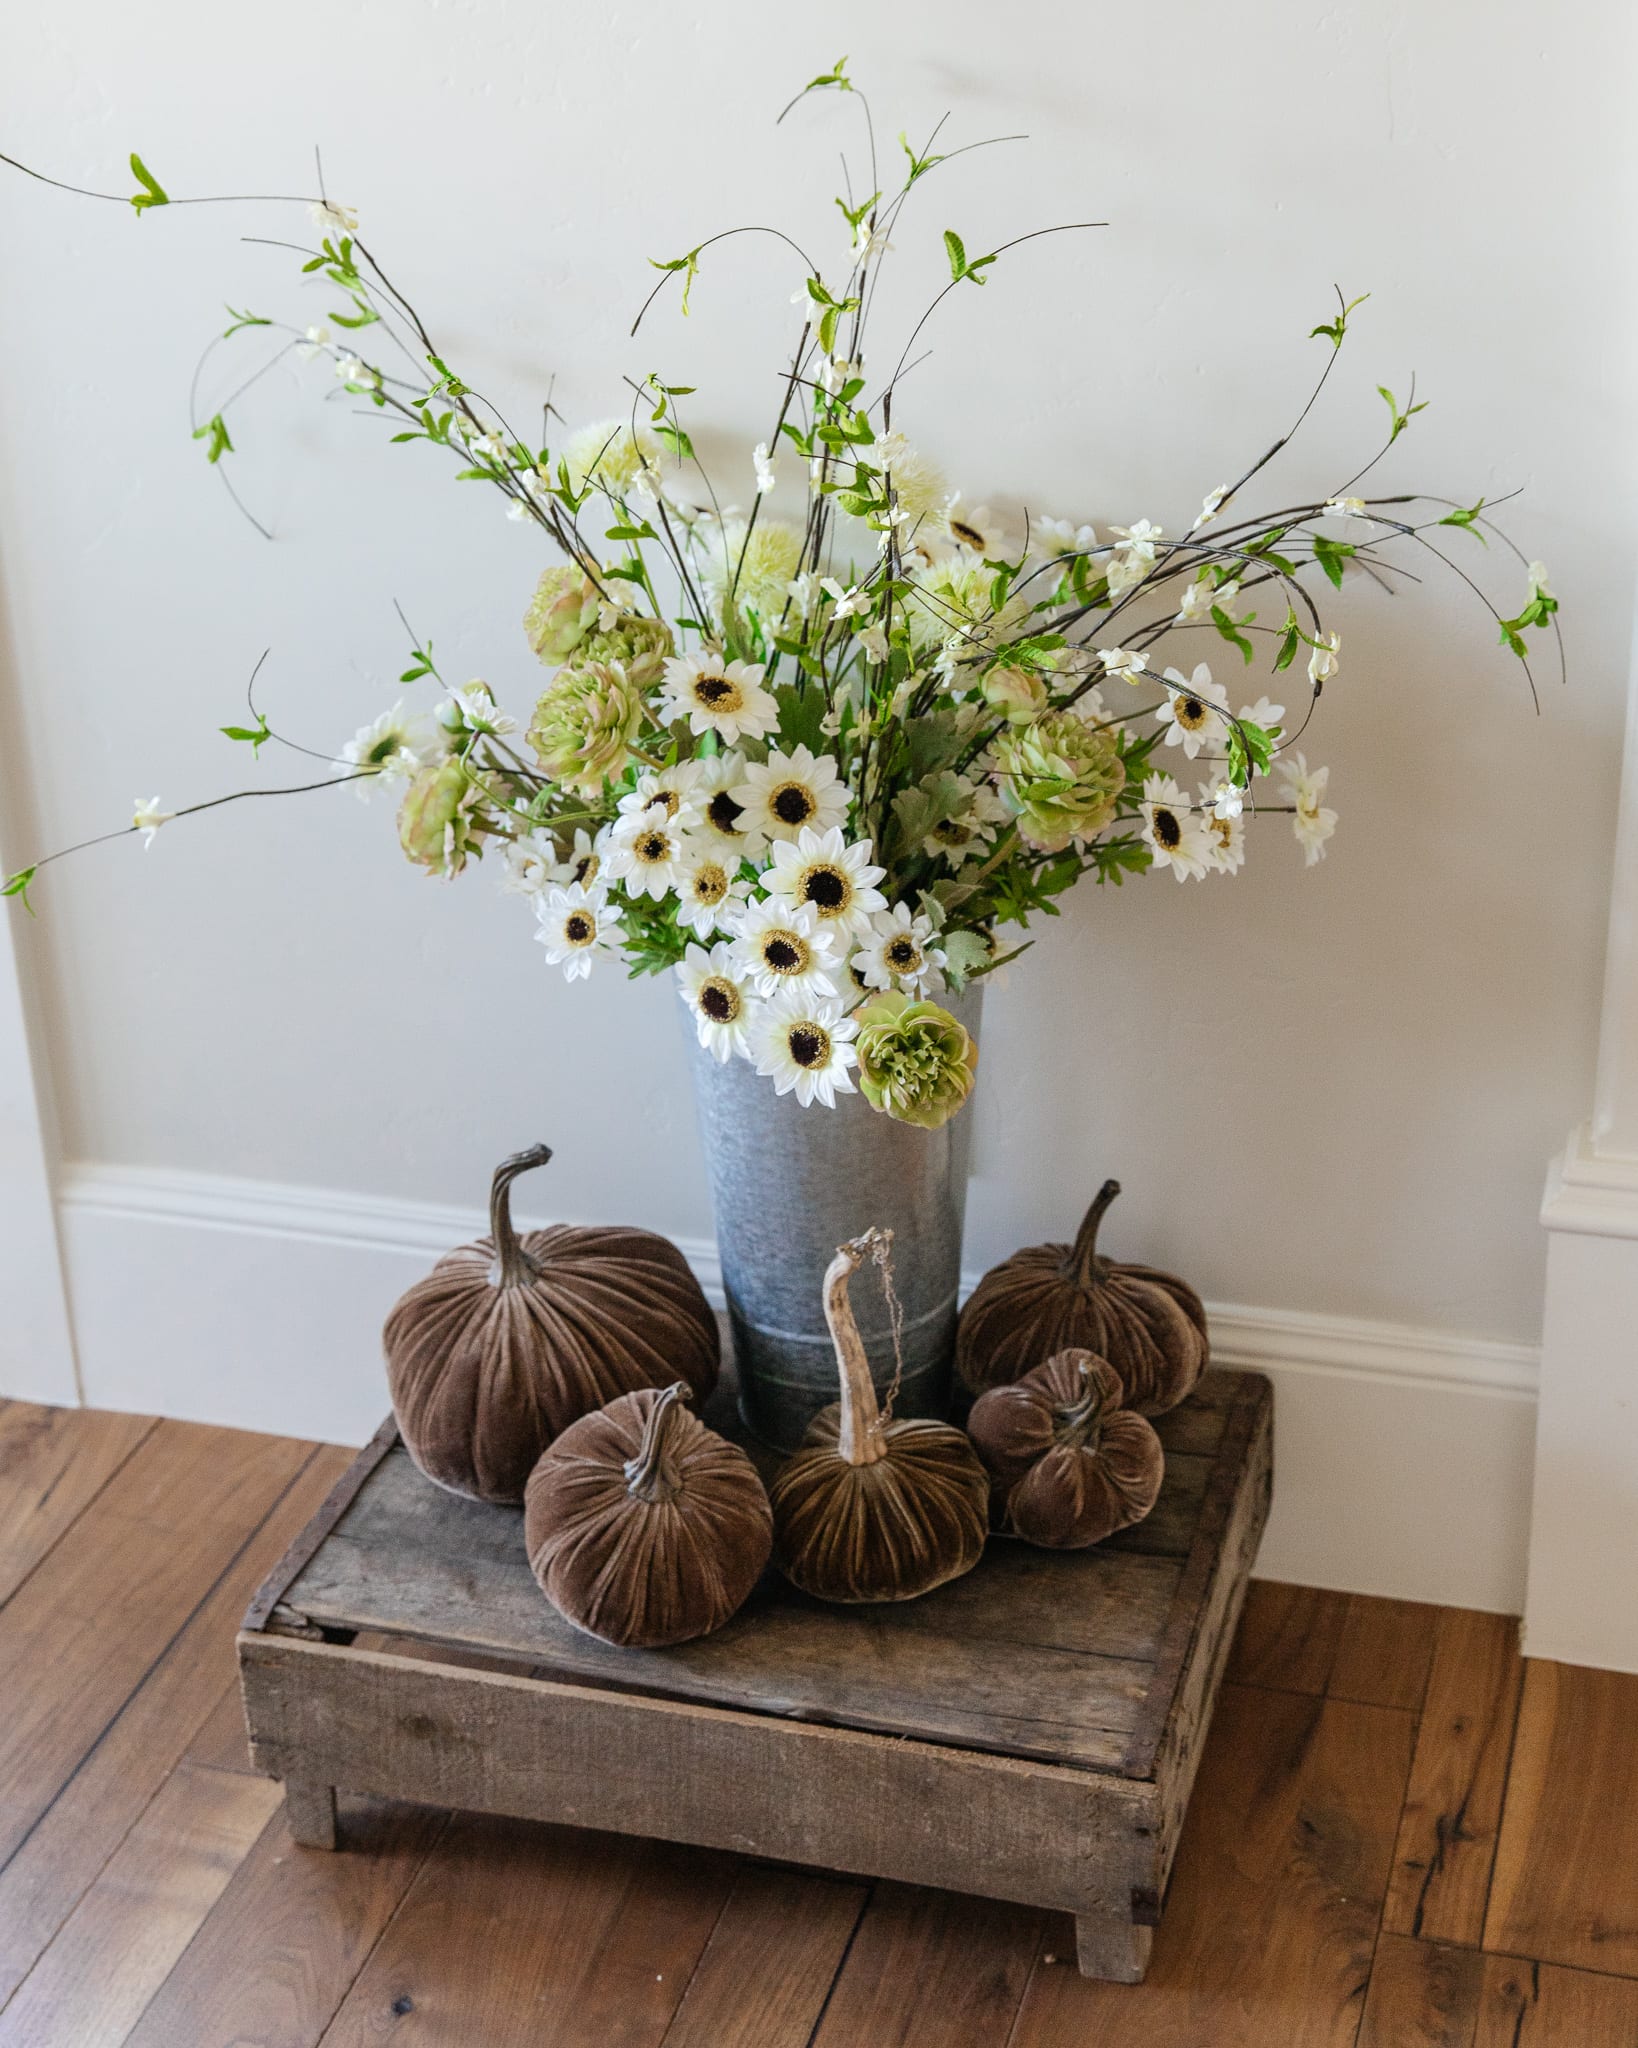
(585, 723)
(642, 647)
(1061, 779)
(916, 1061)
(561, 613)
(436, 826)
(1017, 694)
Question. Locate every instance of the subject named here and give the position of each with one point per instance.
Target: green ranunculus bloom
(916, 1061)
(642, 647)
(435, 823)
(561, 613)
(1061, 779)
(585, 723)
(1018, 694)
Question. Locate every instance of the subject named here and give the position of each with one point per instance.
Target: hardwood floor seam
(153, 1665)
(368, 1957)
(74, 1520)
(841, 1966)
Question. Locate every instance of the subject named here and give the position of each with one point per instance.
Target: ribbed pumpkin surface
(645, 1571)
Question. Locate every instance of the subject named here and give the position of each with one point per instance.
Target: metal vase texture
(789, 1185)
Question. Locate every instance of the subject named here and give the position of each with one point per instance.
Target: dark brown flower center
(710, 885)
(579, 930)
(949, 833)
(1190, 712)
(720, 1001)
(810, 1047)
(826, 887)
(586, 868)
(724, 813)
(1167, 830)
(714, 689)
(667, 800)
(903, 953)
(792, 804)
(969, 536)
(784, 955)
(653, 846)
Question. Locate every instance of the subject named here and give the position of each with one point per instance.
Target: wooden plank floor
(1402, 1837)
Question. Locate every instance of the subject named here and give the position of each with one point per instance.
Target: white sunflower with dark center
(673, 792)
(719, 999)
(969, 832)
(720, 696)
(805, 1046)
(576, 925)
(1193, 711)
(1222, 814)
(899, 952)
(710, 891)
(719, 818)
(644, 854)
(584, 861)
(1174, 831)
(532, 865)
(786, 792)
(786, 950)
(837, 882)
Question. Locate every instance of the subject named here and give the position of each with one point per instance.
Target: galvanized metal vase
(789, 1185)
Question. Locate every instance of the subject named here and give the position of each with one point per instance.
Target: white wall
(1326, 1092)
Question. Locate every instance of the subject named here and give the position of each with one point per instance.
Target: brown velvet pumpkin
(643, 1526)
(1075, 1466)
(1150, 1326)
(870, 1509)
(509, 1340)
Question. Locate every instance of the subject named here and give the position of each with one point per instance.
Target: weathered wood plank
(1385, 1652)
(1267, 1939)
(118, 1945)
(770, 1963)
(85, 1823)
(53, 1463)
(1538, 2005)
(798, 1792)
(513, 1932)
(1447, 1833)
(932, 1970)
(290, 1934)
(1288, 1637)
(310, 1813)
(1563, 1888)
(1423, 1995)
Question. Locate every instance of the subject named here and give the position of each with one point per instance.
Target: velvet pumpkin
(871, 1509)
(644, 1527)
(1072, 1464)
(509, 1340)
(1149, 1325)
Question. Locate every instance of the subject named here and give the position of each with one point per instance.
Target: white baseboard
(1403, 1456)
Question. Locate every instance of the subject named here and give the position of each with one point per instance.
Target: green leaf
(254, 736)
(1231, 632)
(1466, 515)
(1334, 330)
(643, 532)
(152, 193)
(956, 251)
(1331, 554)
(919, 165)
(689, 265)
(243, 320)
(215, 434)
(677, 441)
(17, 885)
(1401, 420)
(366, 317)
(964, 953)
(1290, 640)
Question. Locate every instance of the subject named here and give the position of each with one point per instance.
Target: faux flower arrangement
(818, 767)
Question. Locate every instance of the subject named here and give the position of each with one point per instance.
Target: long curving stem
(1080, 1425)
(647, 1475)
(862, 1441)
(1083, 1257)
(513, 1266)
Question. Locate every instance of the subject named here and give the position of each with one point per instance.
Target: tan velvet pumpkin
(870, 1509)
(509, 1340)
(644, 1527)
(1149, 1325)
(1074, 1466)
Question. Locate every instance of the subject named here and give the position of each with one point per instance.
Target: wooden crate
(1030, 1732)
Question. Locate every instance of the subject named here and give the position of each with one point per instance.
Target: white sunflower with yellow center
(670, 792)
(575, 926)
(710, 890)
(898, 952)
(786, 792)
(645, 853)
(719, 999)
(1175, 832)
(719, 819)
(806, 1047)
(784, 949)
(714, 695)
(837, 882)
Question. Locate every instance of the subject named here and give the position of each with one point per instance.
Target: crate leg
(1107, 1945)
(310, 1813)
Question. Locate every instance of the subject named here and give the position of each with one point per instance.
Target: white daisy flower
(1192, 712)
(472, 708)
(715, 817)
(710, 891)
(532, 865)
(785, 949)
(762, 462)
(714, 695)
(1311, 822)
(584, 862)
(1056, 538)
(844, 602)
(1265, 712)
(390, 748)
(971, 829)
(1197, 601)
(973, 527)
(787, 791)
(1175, 834)
(805, 1046)
(1322, 662)
(672, 793)
(333, 221)
(1122, 661)
(900, 953)
(147, 817)
(719, 999)
(576, 926)
(836, 881)
(644, 854)
(1135, 557)
(1222, 818)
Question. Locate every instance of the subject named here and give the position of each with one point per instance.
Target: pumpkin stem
(513, 1265)
(1083, 1257)
(861, 1441)
(1077, 1427)
(648, 1478)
